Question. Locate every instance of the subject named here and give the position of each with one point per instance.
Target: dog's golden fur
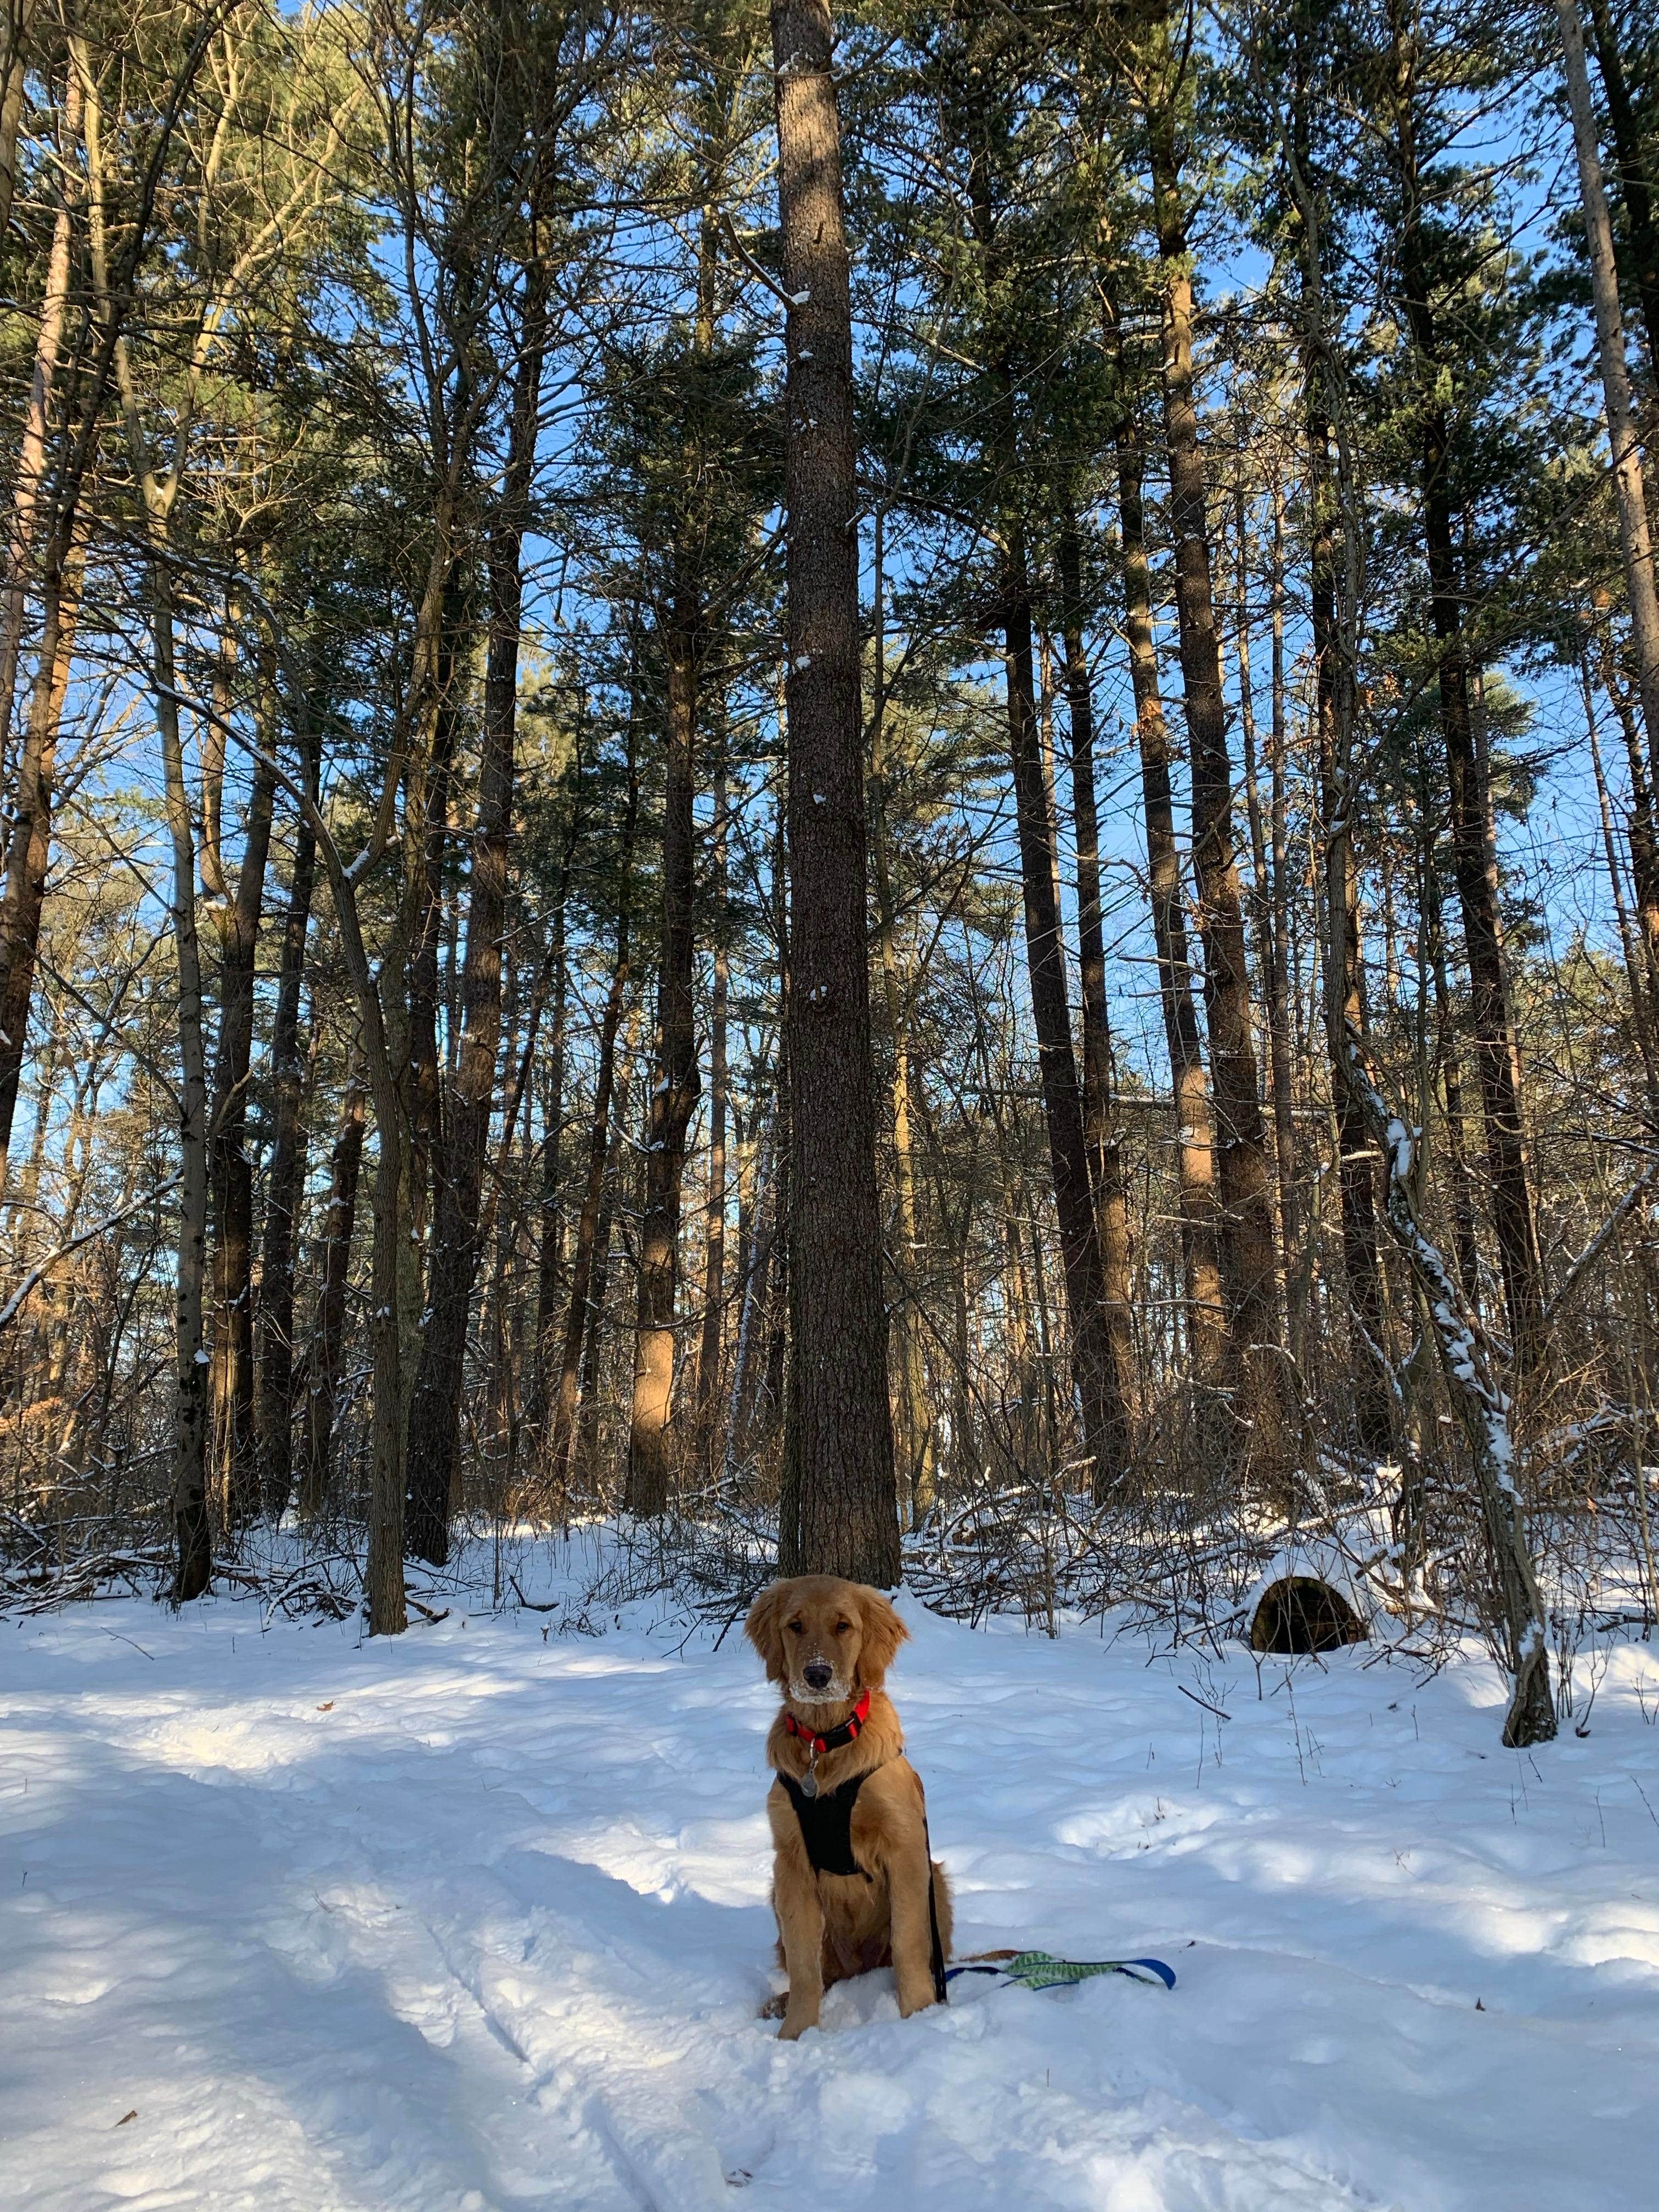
(833, 1926)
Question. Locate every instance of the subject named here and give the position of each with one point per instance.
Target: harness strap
(941, 1987)
(826, 1824)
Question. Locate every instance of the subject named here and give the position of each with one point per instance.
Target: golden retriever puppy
(853, 1884)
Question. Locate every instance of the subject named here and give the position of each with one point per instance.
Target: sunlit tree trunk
(1497, 1053)
(236, 918)
(675, 1083)
(1247, 1222)
(580, 1311)
(30, 472)
(844, 1517)
(1635, 181)
(1104, 1149)
(273, 1412)
(1195, 1153)
(464, 1135)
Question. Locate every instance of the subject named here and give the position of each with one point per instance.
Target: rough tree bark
(913, 1432)
(579, 1313)
(426, 1107)
(1263, 899)
(1333, 714)
(675, 1084)
(1635, 538)
(1206, 1322)
(273, 1406)
(840, 1436)
(28, 857)
(714, 1264)
(236, 920)
(1250, 1278)
(1632, 174)
(1105, 1153)
(463, 1133)
(16, 26)
(1496, 1055)
(30, 475)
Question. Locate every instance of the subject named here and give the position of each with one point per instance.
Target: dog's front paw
(775, 2006)
(797, 2020)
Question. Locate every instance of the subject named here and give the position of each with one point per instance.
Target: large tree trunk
(16, 27)
(31, 468)
(1296, 1271)
(714, 1265)
(1105, 1414)
(1247, 1219)
(29, 852)
(840, 1435)
(1263, 887)
(914, 1428)
(193, 1567)
(1632, 174)
(675, 1086)
(426, 1112)
(231, 1174)
(620, 1187)
(1206, 1322)
(464, 1133)
(549, 1257)
(579, 1313)
(1498, 1061)
(273, 1410)
(1642, 830)
(1105, 1153)
(325, 1359)
(1641, 995)
(1635, 537)
(1334, 714)
(1345, 1010)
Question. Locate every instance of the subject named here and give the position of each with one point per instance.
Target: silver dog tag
(809, 1780)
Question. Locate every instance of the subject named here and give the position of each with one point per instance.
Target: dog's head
(823, 1639)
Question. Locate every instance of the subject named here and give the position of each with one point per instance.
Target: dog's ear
(764, 1628)
(883, 1633)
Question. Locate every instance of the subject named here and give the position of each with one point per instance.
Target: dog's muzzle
(818, 1684)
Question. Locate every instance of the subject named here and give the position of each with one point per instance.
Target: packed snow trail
(478, 1919)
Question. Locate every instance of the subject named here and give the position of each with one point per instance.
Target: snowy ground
(478, 1918)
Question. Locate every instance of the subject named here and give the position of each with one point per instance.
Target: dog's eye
(842, 1627)
(794, 1628)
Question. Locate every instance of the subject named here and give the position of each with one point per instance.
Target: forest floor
(478, 1918)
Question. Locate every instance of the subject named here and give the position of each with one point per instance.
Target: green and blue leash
(1040, 1969)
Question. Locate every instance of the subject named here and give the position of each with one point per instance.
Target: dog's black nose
(818, 1673)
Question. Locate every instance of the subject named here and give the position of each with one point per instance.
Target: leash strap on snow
(1039, 1970)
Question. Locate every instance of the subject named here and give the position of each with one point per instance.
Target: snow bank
(478, 1919)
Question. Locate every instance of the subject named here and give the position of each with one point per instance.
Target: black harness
(826, 1824)
(826, 1829)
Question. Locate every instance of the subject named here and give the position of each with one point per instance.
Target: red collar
(846, 1733)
